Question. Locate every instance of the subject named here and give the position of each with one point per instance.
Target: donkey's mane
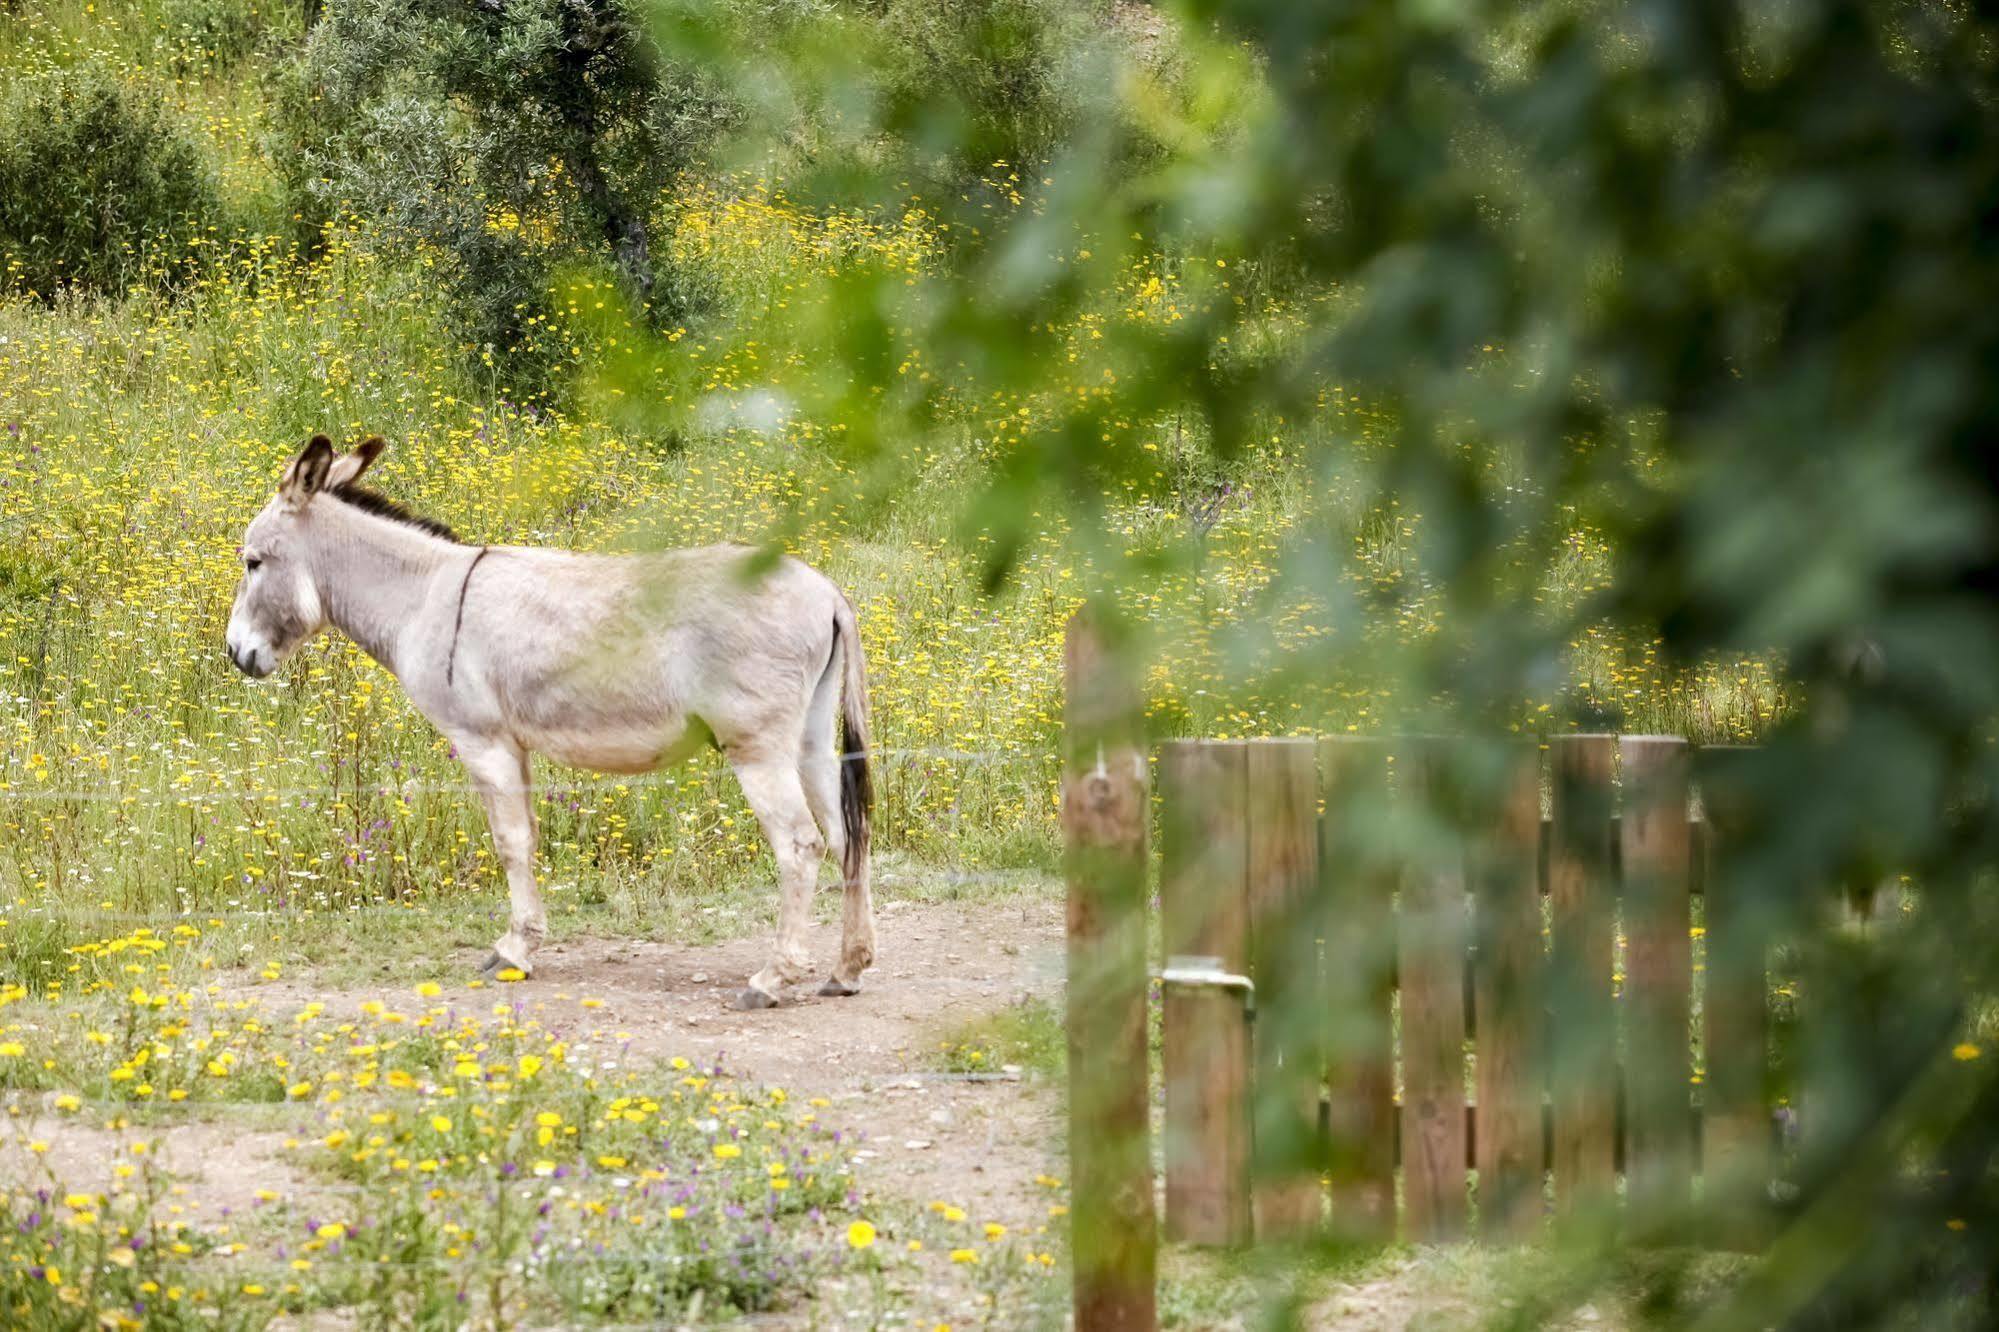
(373, 501)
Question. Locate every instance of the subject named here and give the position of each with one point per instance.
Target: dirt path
(918, 1135)
(921, 1135)
(221, 1169)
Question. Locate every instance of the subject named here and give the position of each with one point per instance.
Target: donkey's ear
(349, 466)
(307, 474)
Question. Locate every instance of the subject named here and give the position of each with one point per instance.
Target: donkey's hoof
(750, 997)
(835, 988)
(495, 964)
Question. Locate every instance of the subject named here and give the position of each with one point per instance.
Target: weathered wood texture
(1657, 860)
(1737, 1154)
(1204, 912)
(1286, 930)
(1342, 873)
(1582, 888)
(1357, 883)
(1509, 996)
(1104, 818)
(1431, 962)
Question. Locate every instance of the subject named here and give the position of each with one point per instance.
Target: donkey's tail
(857, 788)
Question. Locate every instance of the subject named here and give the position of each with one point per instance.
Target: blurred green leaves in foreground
(1711, 281)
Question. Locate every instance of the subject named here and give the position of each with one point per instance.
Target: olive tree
(504, 133)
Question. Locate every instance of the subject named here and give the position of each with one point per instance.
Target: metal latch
(1206, 973)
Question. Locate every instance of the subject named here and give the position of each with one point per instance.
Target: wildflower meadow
(991, 311)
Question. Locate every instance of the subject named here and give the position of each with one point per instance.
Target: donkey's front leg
(500, 772)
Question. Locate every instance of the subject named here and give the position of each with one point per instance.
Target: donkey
(621, 663)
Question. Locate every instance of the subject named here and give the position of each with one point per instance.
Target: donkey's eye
(252, 564)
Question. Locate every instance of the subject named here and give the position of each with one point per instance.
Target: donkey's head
(277, 603)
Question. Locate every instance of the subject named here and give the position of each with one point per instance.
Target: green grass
(1027, 1036)
(436, 1155)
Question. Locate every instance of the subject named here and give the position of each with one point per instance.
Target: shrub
(99, 189)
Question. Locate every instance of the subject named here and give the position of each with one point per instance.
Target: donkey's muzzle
(246, 661)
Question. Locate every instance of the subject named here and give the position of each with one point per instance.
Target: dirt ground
(918, 1135)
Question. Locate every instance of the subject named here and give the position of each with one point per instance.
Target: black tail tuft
(857, 799)
(857, 788)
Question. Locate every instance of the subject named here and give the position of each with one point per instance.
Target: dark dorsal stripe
(382, 506)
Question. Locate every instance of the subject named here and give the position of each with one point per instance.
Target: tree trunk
(623, 228)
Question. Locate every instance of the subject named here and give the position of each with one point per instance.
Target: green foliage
(895, 98)
(1708, 285)
(99, 189)
(508, 138)
(1718, 251)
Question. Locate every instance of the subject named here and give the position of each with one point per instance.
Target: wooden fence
(1442, 971)
(1474, 981)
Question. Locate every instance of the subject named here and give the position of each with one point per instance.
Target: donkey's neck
(373, 574)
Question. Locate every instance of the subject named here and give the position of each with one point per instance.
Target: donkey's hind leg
(778, 797)
(819, 770)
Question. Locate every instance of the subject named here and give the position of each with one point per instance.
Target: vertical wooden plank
(1582, 1029)
(1204, 912)
(1508, 979)
(1431, 950)
(1285, 933)
(1357, 882)
(1736, 1150)
(1114, 1241)
(1658, 976)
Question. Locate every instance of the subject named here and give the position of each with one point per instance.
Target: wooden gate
(1407, 983)
(1458, 1007)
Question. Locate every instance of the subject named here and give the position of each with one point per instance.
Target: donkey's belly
(616, 750)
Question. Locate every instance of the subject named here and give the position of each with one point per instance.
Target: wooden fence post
(1114, 1239)
(1582, 1023)
(1286, 925)
(1658, 1157)
(1431, 948)
(1509, 998)
(1205, 1043)
(1736, 1150)
(1357, 896)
